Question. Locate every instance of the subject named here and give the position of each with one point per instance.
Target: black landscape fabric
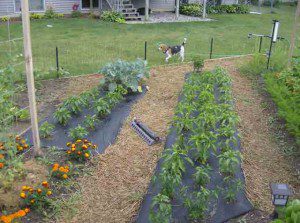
(106, 130)
(220, 212)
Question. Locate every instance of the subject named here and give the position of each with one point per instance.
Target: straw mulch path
(115, 189)
(263, 162)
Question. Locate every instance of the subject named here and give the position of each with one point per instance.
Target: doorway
(86, 4)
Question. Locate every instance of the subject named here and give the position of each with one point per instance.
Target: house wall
(62, 6)
(156, 5)
(7, 7)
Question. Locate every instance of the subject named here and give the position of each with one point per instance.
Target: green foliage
(5, 19)
(239, 9)
(284, 88)
(201, 176)
(74, 104)
(198, 63)
(102, 107)
(46, 129)
(76, 14)
(126, 74)
(229, 161)
(90, 121)
(233, 186)
(62, 115)
(192, 9)
(161, 209)
(50, 13)
(22, 114)
(78, 132)
(112, 16)
(35, 16)
(255, 66)
(291, 213)
(198, 203)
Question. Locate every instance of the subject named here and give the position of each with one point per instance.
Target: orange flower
(65, 176)
(20, 148)
(1, 165)
(18, 137)
(61, 169)
(21, 213)
(1, 147)
(39, 191)
(87, 155)
(32, 201)
(25, 146)
(84, 147)
(95, 146)
(55, 166)
(27, 210)
(49, 192)
(73, 146)
(30, 190)
(79, 153)
(1, 156)
(73, 149)
(68, 152)
(23, 195)
(85, 141)
(25, 188)
(45, 184)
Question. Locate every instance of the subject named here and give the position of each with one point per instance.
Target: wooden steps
(129, 12)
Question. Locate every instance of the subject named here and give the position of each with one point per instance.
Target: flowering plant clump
(36, 197)
(11, 217)
(2, 161)
(61, 172)
(21, 144)
(80, 150)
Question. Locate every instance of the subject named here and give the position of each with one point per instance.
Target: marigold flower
(84, 147)
(21, 213)
(87, 155)
(27, 210)
(79, 152)
(23, 195)
(61, 169)
(30, 190)
(32, 201)
(69, 144)
(73, 149)
(49, 192)
(23, 141)
(39, 191)
(20, 148)
(1, 156)
(73, 146)
(1, 165)
(78, 141)
(24, 188)
(18, 137)
(65, 176)
(68, 152)
(95, 146)
(25, 146)
(85, 141)
(45, 184)
(55, 166)
(1, 147)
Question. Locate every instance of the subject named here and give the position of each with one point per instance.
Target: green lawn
(85, 44)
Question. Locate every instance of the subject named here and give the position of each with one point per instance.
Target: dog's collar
(167, 50)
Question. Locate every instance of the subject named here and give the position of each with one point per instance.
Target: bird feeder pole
(29, 75)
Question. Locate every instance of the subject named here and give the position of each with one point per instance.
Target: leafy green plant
(22, 114)
(229, 161)
(90, 121)
(62, 115)
(74, 104)
(78, 132)
(126, 74)
(202, 176)
(232, 188)
(112, 16)
(198, 63)
(50, 13)
(5, 19)
(161, 209)
(46, 129)
(192, 9)
(76, 14)
(36, 16)
(102, 107)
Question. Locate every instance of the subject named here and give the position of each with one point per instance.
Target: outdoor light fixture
(280, 194)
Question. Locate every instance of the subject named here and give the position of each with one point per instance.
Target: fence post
(57, 61)
(211, 47)
(145, 53)
(260, 44)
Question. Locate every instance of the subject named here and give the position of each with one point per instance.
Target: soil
(51, 93)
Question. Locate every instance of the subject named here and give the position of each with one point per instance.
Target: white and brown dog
(170, 51)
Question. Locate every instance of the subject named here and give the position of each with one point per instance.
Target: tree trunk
(91, 6)
(204, 9)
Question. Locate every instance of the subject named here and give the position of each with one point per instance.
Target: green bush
(276, 3)
(127, 74)
(50, 14)
(239, 9)
(291, 213)
(76, 14)
(198, 63)
(111, 16)
(36, 16)
(193, 9)
(46, 129)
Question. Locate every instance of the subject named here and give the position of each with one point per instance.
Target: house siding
(7, 7)
(62, 6)
(156, 5)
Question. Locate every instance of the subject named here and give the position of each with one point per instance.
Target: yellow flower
(73, 149)
(23, 195)
(39, 191)
(69, 144)
(84, 147)
(65, 176)
(73, 146)
(87, 155)
(49, 192)
(1, 156)
(95, 146)
(23, 141)
(26, 146)
(68, 152)
(32, 201)
(78, 141)
(25, 188)
(27, 210)
(20, 148)
(45, 184)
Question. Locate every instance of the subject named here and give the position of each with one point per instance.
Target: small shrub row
(192, 9)
(112, 16)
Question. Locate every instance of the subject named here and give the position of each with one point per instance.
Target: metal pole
(211, 47)
(260, 44)
(145, 50)
(270, 49)
(30, 77)
(57, 61)
(146, 10)
(271, 6)
(177, 10)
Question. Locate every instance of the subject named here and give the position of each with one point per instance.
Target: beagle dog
(170, 51)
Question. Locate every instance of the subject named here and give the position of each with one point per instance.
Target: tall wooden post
(177, 10)
(146, 10)
(293, 34)
(204, 9)
(91, 6)
(29, 75)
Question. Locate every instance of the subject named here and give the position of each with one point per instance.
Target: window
(34, 5)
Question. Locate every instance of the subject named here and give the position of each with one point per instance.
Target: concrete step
(126, 6)
(131, 14)
(133, 18)
(127, 10)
